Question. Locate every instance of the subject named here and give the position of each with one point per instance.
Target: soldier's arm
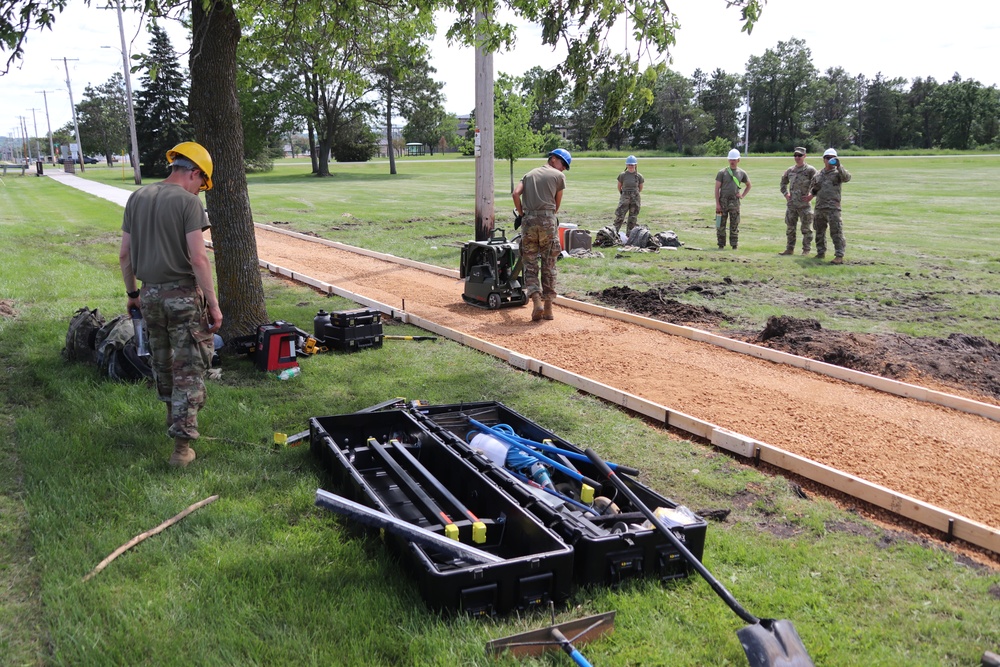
(516, 196)
(203, 274)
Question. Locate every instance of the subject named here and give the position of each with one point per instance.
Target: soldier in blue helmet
(630, 184)
(537, 198)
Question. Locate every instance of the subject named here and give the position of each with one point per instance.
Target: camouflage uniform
(540, 229)
(540, 244)
(182, 347)
(796, 182)
(630, 200)
(730, 205)
(826, 186)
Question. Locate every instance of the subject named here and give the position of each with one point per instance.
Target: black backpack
(117, 357)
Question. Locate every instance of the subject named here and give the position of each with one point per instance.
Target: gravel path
(941, 456)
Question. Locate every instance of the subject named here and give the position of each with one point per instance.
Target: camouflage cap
(799, 149)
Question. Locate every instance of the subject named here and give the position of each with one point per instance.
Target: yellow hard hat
(196, 153)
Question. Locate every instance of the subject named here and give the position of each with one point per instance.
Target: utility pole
(76, 125)
(484, 138)
(25, 148)
(746, 130)
(134, 154)
(48, 124)
(38, 150)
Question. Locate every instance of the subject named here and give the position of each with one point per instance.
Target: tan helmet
(197, 154)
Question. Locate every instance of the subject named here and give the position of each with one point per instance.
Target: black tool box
(603, 555)
(389, 461)
(349, 330)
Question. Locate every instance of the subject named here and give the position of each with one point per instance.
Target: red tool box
(275, 348)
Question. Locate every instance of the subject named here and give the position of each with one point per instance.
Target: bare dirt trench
(941, 456)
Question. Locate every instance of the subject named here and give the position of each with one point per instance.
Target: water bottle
(289, 373)
(139, 325)
(833, 161)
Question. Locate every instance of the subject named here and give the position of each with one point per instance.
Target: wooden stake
(149, 533)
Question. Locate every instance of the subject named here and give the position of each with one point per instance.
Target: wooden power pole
(484, 138)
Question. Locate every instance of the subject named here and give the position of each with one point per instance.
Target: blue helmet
(631, 160)
(563, 155)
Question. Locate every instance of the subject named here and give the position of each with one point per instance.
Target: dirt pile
(969, 364)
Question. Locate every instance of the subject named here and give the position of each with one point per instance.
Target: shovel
(767, 642)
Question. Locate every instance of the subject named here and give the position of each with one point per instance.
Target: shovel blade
(772, 643)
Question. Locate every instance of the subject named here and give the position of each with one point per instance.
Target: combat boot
(183, 454)
(536, 307)
(547, 311)
(788, 251)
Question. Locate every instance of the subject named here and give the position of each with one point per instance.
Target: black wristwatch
(132, 295)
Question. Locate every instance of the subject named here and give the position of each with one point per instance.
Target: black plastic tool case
(538, 565)
(350, 330)
(601, 557)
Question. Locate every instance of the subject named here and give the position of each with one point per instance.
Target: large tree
(403, 75)
(779, 85)
(683, 123)
(161, 104)
(103, 116)
(513, 138)
(833, 108)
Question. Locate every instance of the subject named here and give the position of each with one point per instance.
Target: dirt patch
(7, 309)
(969, 365)
(653, 303)
(959, 361)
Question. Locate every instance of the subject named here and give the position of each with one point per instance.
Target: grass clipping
(149, 533)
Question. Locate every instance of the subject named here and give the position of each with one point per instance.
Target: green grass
(262, 577)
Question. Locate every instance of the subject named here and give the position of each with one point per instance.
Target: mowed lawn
(262, 577)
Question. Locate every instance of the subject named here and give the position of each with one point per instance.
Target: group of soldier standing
(800, 184)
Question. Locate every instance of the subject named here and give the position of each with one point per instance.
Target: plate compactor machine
(492, 272)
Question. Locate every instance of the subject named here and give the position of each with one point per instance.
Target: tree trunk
(215, 113)
(312, 145)
(388, 128)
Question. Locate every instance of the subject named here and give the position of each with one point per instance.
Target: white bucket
(494, 449)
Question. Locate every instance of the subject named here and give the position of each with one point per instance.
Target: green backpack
(82, 334)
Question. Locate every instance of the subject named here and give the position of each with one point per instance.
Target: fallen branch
(149, 533)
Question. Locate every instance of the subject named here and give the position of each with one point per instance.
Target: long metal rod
(421, 536)
(416, 495)
(433, 481)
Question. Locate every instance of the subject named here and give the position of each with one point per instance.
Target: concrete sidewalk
(109, 192)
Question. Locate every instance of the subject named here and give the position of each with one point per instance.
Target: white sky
(916, 38)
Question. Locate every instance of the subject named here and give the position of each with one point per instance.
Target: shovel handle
(716, 585)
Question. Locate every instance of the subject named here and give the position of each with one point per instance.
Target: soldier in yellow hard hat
(162, 245)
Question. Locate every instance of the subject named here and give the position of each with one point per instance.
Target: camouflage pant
(829, 217)
(540, 244)
(181, 347)
(730, 214)
(793, 216)
(630, 202)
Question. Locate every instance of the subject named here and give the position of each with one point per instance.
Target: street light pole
(38, 150)
(48, 124)
(76, 125)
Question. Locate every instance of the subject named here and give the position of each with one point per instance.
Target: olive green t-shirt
(540, 188)
(158, 219)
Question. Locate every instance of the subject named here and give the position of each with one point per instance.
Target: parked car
(90, 160)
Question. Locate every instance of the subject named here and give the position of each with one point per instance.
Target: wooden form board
(923, 513)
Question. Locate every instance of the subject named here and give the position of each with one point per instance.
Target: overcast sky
(916, 38)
